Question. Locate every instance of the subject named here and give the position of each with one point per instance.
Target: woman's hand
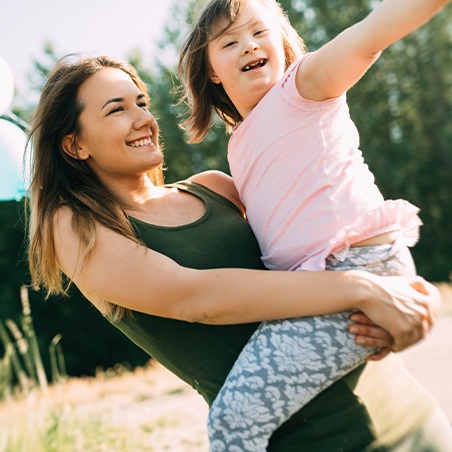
(406, 312)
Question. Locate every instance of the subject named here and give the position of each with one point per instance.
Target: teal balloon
(13, 175)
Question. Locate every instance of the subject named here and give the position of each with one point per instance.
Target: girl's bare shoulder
(221, 183)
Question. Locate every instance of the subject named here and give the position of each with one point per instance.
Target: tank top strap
(210, 197)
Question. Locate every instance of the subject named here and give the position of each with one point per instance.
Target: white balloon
(13, 176)
(6, 86)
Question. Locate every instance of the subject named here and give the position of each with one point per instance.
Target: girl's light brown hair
(59, 180)
(203, 97)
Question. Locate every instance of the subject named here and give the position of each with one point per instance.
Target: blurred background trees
(402, 108)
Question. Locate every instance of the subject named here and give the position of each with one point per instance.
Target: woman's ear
(213, 77)
(71, 148)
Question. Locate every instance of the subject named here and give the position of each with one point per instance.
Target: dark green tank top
(346, 416)
(201, 355)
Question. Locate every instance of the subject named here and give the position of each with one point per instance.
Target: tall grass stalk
(12, 360)
(21, 347)
(27, 325)
(57, 363)
(6, 376)
(21, 367)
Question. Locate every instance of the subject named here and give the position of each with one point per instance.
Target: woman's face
(119, 137)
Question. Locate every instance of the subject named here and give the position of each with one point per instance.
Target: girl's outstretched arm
(338, 65)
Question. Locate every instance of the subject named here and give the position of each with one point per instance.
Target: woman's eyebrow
(120, 99)
(114, 99)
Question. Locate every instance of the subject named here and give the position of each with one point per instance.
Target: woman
(149, 256)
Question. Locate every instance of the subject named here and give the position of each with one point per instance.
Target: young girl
(309, 197)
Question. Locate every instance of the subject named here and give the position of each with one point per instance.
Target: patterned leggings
(286, 363)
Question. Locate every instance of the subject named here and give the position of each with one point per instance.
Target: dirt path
(430, 362)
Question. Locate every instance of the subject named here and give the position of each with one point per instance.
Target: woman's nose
(144, 118)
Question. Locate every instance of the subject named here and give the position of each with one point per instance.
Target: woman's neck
(134, 194)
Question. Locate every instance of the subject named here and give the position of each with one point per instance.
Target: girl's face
(119, 137)
(248, 57)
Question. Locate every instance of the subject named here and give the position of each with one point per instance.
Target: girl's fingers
(380, 354)
(370, 332)
(360, 317)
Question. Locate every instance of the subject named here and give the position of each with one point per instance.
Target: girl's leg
(287, 363)
(284, 365)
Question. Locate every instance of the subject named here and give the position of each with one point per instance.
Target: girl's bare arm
(338, 65)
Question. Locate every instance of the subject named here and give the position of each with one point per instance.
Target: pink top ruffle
(394, 215)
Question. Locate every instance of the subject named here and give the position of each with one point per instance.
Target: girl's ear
(71, 148)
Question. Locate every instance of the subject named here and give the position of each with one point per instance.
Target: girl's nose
(250, 47)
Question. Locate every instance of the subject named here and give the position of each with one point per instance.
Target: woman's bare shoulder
(63, 233)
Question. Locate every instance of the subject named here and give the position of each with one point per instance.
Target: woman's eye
(116, 110)
(143, 105)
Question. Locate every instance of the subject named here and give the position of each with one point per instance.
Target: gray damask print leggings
(287, 363)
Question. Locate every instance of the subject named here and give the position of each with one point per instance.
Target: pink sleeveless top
(302, 178)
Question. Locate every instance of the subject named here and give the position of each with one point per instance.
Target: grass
(116, 411)
(147, 409)
(63, 430)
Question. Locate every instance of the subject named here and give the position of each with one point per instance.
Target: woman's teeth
(137, 144)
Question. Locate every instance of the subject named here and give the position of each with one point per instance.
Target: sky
(113, 27)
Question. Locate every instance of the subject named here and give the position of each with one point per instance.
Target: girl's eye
(229, 44)
(143, 105)
(258, 32)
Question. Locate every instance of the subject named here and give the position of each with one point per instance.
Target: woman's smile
(140, 142)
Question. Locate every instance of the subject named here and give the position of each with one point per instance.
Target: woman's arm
(338, 65)
(135, 277)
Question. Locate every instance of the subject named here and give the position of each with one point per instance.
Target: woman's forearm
(230, 296)
(392, 303)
